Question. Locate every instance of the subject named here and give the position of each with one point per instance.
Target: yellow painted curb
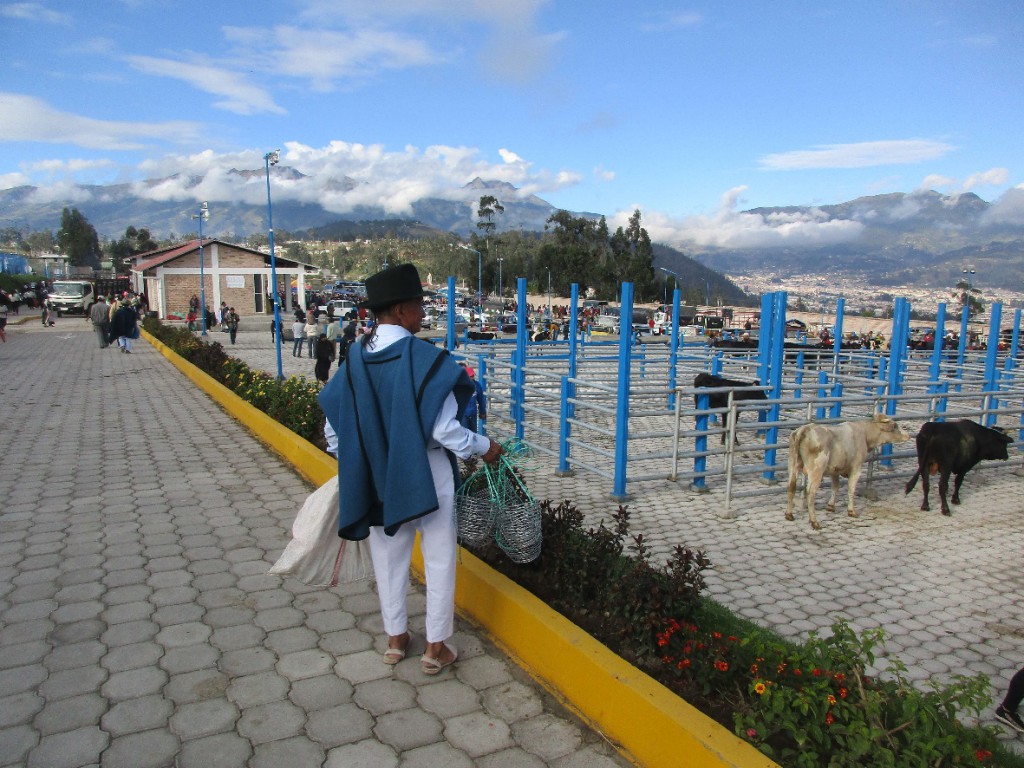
(646, 721)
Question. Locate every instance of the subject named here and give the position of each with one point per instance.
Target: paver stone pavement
(138, 625)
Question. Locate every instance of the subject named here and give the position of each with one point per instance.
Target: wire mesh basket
(475, 518)
(518, 531)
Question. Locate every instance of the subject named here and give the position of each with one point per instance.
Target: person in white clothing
(390, 383)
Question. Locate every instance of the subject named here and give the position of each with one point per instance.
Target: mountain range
(922, 238)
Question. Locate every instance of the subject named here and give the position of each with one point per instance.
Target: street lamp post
(549, 294)
(479, 284)
(675, 282)
(269, 159)
(967, 298)
(501, 296)
(203, 215)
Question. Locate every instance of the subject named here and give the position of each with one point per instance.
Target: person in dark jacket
(324, 358)
(125, 326)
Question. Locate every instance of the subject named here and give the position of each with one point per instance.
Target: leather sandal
(434, 666)
(394, 655)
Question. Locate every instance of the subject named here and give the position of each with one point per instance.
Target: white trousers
(392, 556)
(125, 342)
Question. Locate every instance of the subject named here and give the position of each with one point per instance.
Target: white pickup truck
(71, 297)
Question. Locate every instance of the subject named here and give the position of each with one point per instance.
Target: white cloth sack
(315, 555)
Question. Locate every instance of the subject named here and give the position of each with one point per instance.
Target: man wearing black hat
(395, 405)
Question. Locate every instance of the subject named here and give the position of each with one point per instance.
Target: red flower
(716, 635)
(831, 700)
(982, 755)
(732, 639)
(797, 672)
(839, 677)
(722, 666)
(829, 719)
(684, 664)
(816, 672)
(842, 693)
(753, 669)
(751, 733)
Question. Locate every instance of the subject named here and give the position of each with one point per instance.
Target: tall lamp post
(549, 294)
(269, 159)
(675, 283)
(501, 296)
(967, 298)
(203, 215)
(479, 283)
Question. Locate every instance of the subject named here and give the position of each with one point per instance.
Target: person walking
(324, 358)
(310, 332)
(3, 321)
(100, 324)
(395, 406)
(231, 321)
(298, 329)
(125, 326)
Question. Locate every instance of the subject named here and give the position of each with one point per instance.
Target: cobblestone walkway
(138, 626)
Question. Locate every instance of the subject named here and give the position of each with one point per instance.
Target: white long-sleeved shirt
(447, 431)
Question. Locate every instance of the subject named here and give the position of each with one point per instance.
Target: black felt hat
(391, 286)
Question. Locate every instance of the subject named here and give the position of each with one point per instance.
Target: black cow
(721, 399)
(954, 447)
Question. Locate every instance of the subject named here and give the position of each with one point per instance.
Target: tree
(968, 295)
(78, 239)
(489, 205)
(134, 242)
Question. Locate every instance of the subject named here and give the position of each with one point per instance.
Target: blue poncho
(383, 406)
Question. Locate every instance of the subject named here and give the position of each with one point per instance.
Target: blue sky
(689, 111)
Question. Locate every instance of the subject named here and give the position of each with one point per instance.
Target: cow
(721, 399)
(954, 447)
(838, 449)
(480, 335)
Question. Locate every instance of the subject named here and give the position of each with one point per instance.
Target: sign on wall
(234, 281)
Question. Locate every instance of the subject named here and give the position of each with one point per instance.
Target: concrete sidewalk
(138, 626)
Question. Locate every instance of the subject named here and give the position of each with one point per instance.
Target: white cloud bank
(26, 118)
(731, 228)
(343, 176)
(864, 154)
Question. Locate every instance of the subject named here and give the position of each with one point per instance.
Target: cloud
(670, 22)
(27, 118)
(325, 56)
(603, 175)
(241, 97)
(73, 166)
(515, 50)
(993, 177)
(1008, 209)
(34, 12)
(14, 179)
(730, 228)
(343, 176)
(861, 155)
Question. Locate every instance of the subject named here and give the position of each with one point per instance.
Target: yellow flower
(760, 688)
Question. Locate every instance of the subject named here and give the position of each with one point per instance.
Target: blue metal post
(519, 369)
(622, 406)
(935, 370)
(273, 270)
(837, 342)
(897, 351)
(1011, 357)
(775, 378)
(700, 446)
(449, 342)
(798, 390)
(764, 336)
(565, 429)
(819, 412)
(673, 349)
(837, 405)
(961, 347)
(991, 356)
(574, 298)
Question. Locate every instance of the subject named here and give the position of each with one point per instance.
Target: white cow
(840, 449)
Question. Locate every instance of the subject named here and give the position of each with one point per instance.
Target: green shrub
(292, 402)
